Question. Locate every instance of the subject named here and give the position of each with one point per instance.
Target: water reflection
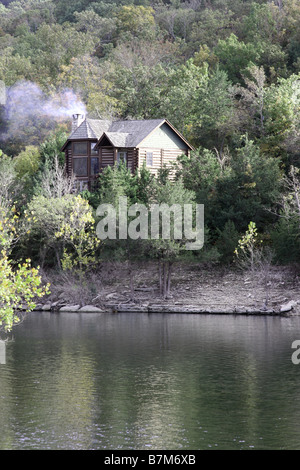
(89, 381)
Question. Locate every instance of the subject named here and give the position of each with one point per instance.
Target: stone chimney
(77, 120)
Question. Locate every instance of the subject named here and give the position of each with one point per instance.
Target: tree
(20, 283)
(79, 236)
(236, 56)
(140, 91)
(50, 149)
(252, 100)
(286, 232)
(10, 185)
(176, 21)
(213, 24)
(135, 20)
(253, 257)
(214, 117)
(167, 248)
(51, 47)
(179, 101)
(14, 67)
(282, 105)
(92, 83)
(51, 216)
(116, 183)
(27, 162)
(248, 190)
(18, 288)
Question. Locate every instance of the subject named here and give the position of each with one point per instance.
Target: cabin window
(80, 166)
(94, 165)
(122, 157)
(93, 150)
(149, 159)
(80, 148)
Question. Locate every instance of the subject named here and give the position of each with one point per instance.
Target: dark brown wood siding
(107, 157)
(68, 164)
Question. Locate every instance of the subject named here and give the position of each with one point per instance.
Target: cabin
(95, 144)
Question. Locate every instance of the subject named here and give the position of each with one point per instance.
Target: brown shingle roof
(131, 133)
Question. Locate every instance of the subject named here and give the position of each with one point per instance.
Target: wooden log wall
(69, 167)
(106, 157)
(160, 157)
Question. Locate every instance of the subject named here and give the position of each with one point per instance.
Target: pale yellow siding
(161, 157)
(165, 138)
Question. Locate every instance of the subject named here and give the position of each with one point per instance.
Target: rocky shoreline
(288, 308)
(195, 289)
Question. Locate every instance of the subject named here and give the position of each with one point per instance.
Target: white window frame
(124, 159)
(148, 156)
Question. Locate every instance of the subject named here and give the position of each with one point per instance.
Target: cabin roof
(127, 133)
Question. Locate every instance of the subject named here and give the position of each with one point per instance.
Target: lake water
(161, 382)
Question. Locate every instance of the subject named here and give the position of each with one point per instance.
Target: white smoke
(28, 106)
(2, 93)
(27, 98)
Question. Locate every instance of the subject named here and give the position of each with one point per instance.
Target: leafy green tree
(65, 11)
(79, 237)
(212, 24)
(214, 117)
(200, 172)
(140, 91)
(236, 56)
(227, 242)
(179, 100)
(167, 249)
(283, 115)
(10, 185)
(248, 190)
(93, 83)
(264, 23)
(286, 232)
(51, 216)
(51, 47)
(50, 149)
(14, 67)
(135, 20)
(252, 101)
(27, 162)
(20, 283)
(18, 289)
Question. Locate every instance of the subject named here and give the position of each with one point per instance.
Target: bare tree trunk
(165, 279)
(169, 279)
(43, 252)
(58, 259)
(131, 280)
(160, 278)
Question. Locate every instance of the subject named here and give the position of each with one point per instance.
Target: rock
(69, 308)
(46, 307)
(288, 306)
(38, 307)
(113, 295)
(131, 308)
(90, 309)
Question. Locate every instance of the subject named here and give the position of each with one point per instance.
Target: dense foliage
(226, 74)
